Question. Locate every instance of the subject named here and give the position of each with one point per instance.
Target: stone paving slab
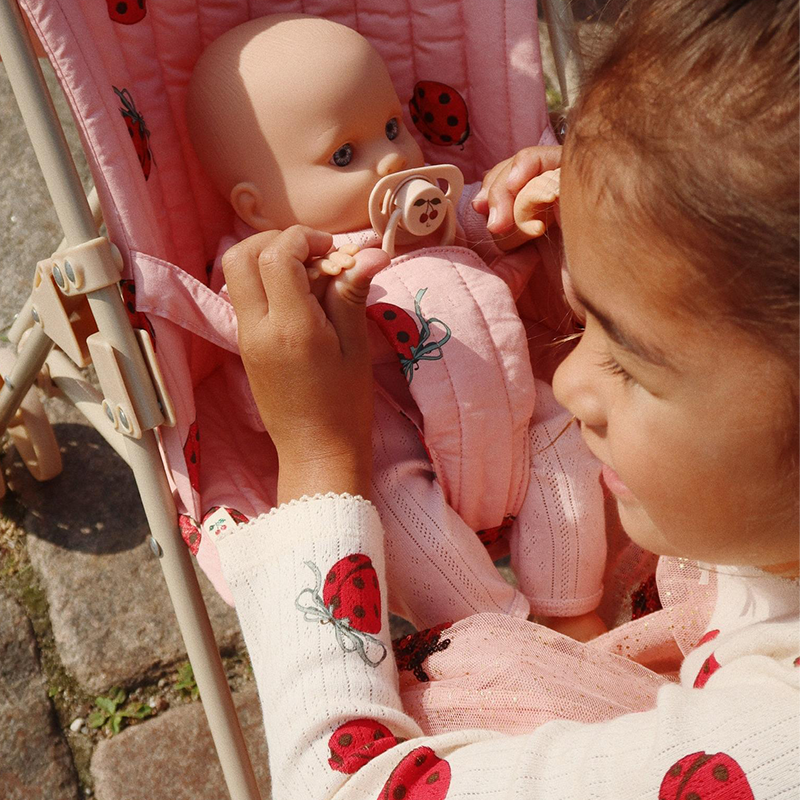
(35, 761)
(172, 757)
(111, 615)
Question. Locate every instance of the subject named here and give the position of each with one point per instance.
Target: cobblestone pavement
(84, 613)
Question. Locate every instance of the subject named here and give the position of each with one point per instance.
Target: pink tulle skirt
(495, 672)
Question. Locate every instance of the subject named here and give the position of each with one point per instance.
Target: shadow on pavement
(92, 507)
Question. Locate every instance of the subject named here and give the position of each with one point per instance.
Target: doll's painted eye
(392, 129)
(343, 156)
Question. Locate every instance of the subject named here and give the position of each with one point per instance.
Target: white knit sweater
(304, 578)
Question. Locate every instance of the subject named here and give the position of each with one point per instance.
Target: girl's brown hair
(698, 99)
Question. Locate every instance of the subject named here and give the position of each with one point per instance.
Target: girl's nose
(391, 163)
(576, 391)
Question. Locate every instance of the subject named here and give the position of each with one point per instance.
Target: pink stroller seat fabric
(125, 76)
(124, 71)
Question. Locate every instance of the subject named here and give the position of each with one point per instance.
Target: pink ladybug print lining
(351, 602)
(421, 775)
(410, 343)
(191, 452)
(700, 776)
(140, 135)
(126, 12)
(190, 533)
(439, 113)
(357, 742)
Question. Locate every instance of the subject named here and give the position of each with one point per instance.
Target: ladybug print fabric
(357, 742)
(137, 318)
(410, 343)
(351, 602)
(490, 536)
(411, 651)
(645, 599)
(439, 113)
(700, 776)
(191, 452)
(126, 12)
(421, 775)
(190, 533)
(137, 130)
(710, 666)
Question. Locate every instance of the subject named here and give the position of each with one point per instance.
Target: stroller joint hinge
(87, 267)
(128, 415)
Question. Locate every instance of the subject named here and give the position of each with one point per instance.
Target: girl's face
(689, 415)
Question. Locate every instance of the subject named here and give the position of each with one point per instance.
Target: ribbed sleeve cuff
(296, 524)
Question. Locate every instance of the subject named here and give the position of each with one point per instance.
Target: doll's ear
(248, 202)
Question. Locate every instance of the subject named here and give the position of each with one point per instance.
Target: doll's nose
(391, 163)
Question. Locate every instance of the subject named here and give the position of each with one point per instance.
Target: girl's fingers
(283, 272)
(240, 267)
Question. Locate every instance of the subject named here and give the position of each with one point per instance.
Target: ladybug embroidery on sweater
(357, 742)
(137, 130)
(351, 602)
(126, 12)
(410, 343)
(700, 776)
(421, 775)
(191, 452)
(411, 651)
(439, 113)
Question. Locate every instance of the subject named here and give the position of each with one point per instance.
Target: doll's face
(332, 127)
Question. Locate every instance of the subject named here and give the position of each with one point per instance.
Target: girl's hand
(519, 188)
(307, 359)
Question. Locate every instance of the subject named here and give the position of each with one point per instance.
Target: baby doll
(295, 120)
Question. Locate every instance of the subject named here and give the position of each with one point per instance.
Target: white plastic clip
(411, 204)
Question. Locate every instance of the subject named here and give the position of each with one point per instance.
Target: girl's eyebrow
(623, 338)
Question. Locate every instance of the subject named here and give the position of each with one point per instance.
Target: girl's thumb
(346, 297)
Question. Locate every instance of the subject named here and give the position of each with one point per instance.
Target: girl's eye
(392, 128)
(343, 156)
(610, 365)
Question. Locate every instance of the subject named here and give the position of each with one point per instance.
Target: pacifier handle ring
(389, 235)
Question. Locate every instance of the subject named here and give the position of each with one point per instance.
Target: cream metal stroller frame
(75, 292)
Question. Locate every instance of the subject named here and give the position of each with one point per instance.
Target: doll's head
(295, 119)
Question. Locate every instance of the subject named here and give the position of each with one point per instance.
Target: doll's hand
(307, 359)
(333, 263)
(523, 177)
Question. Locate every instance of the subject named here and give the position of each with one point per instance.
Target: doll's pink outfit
(467, 450)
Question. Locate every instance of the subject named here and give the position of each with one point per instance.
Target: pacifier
(411, 204)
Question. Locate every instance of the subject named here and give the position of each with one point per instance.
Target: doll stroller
(138, 304)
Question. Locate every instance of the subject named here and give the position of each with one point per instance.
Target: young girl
(679, 214)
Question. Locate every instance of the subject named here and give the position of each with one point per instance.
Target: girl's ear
(248, 202)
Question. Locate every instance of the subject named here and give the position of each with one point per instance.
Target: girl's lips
(615, 484)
